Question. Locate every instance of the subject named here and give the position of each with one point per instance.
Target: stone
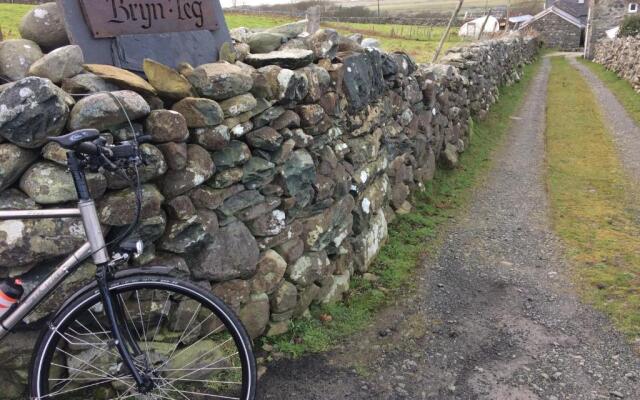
(449, 157)
(233, 155)
(277, 328)
(305, 298)
(255, 315)
(227, 53)
(268, 115)
(101, 111)
(237, 105)
(154, 166)
(64, 62)
(324, 43)
(298, 172)
(288, 119)
(166, 126)
(87, 83)
(291, 250)
(257, 172)
(49, 183)
(309, 268)
(44, 24)
(370, 42)
(269, 273)
(290, 30)
(265, 138)
(269, 224)
(220, 81)
(117, 208)
(234, 293)
(184, 235)
(367, 245)
(14, 161)
(167, 81)
(121, 77)
(210, 198)
(175, 155)
(32, 110)
(363, 80)
(264, 42)
(231, 253)
(336, 287)
(17, 56)
(289, 58)
(14, 199)
(199, 112)
(284, 298)
(211, 138)
(226, 178)
(199, 168)
(310, 114)
(240, 201)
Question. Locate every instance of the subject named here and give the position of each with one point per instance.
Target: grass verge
(624, 92)
(591, 199)
(411, 237)
(10, 17)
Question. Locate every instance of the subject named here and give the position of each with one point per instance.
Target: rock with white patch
(64, 62)
(17, 56)
(31, 110)
(44, 24)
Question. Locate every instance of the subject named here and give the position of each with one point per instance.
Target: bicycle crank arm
(113, 311)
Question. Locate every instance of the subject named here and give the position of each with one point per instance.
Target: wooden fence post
(446, 32)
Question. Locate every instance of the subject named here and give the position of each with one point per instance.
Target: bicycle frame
(95, 244)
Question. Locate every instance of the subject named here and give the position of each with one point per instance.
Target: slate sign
(111, 18)
(125, 32)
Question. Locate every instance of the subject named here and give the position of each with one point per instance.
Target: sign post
(125, 32)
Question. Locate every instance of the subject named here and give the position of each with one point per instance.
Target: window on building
(633, 7)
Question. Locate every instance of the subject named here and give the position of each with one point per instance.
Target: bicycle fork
(117, 320)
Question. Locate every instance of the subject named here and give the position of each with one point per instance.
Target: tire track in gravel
(495, 317)
(625, 131)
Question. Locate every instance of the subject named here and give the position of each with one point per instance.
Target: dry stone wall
(621, 56)
(271, 178)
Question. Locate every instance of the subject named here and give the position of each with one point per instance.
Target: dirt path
(625, 131)
(495, 318)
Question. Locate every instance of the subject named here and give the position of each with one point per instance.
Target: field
(439, 5)
(418, 41)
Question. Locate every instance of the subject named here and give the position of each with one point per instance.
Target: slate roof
(574, 8)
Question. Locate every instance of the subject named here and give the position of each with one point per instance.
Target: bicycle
(132, 333)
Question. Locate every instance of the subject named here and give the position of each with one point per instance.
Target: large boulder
(220, 81)
(14, 161)
(199, 168)
(62, 63)
(16, 56)
(101, 111)
(32, 110)
(231, 253)
(50, 183)
(44, 24)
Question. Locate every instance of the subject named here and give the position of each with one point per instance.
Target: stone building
(561, 25)
(606, 15)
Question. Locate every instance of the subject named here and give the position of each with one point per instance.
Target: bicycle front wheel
(184, 338)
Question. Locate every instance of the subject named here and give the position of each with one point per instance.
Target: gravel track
(625, 131)
(495, 315)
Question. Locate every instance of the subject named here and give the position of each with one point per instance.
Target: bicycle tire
(61, 338)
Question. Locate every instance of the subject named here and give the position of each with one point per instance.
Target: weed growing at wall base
(411, 236)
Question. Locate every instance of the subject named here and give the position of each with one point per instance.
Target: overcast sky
(229, 3)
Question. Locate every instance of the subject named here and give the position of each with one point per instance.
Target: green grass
(446, 6)
(411, 236)
(593, 207)
(10, 16)
(622, 89)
